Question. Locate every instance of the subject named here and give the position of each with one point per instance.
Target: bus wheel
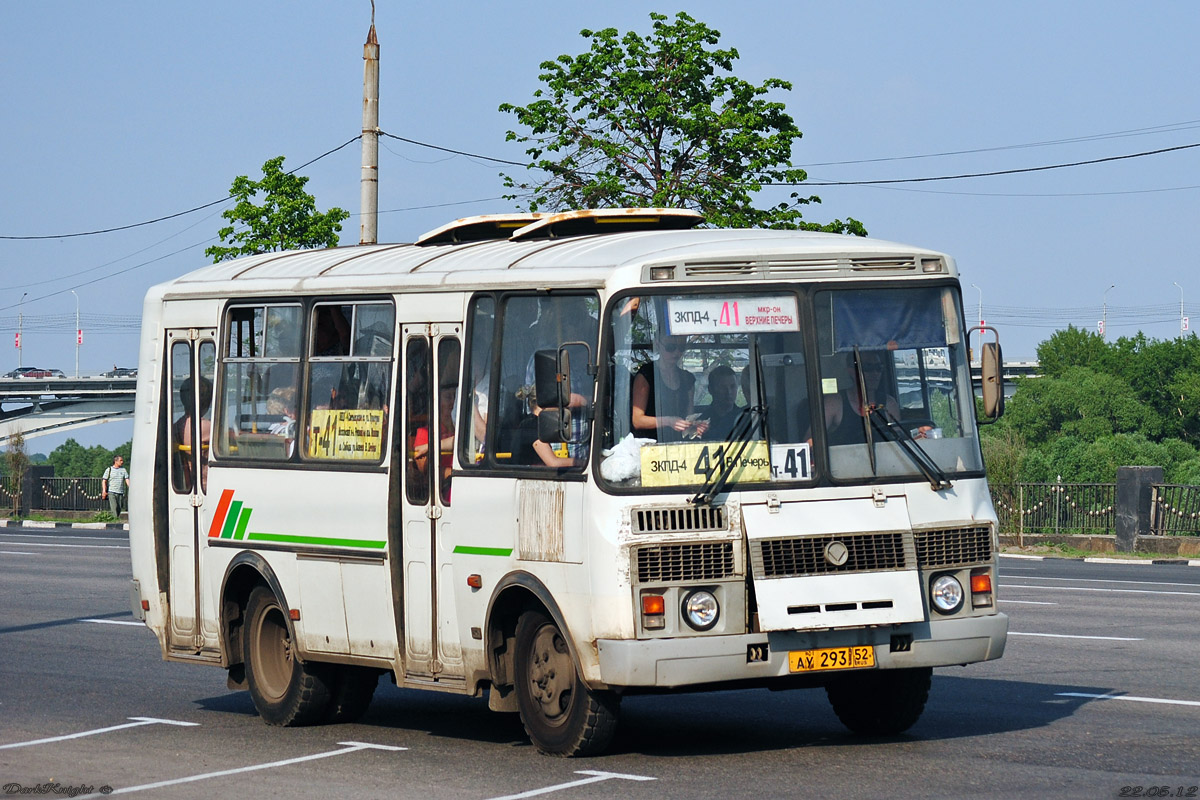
(880, 702)
(285, 691)
(561, 715)
(351, 693)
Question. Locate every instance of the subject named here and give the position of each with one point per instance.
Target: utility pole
(976, 288)
(1104, 314)
(20, 325)
(1182, 319)
(78, 334)
(369, 224)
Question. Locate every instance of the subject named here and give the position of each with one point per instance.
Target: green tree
(658, 121)
(1073, 347)
(287, 219)
(1082, 402)
(16, 464)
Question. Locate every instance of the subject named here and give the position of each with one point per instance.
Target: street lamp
(1104, 316)
(78, 334)
(980, 303)
(1182, 327)
(20, 325)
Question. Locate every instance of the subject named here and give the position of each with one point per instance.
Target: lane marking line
(138, 722)
(1076, 636)
(597, 777)
(348, 747)
(1109, 580)
(114, 622)
(1131, 698)
(1093, 589)
(15, 553)
(1002, 600)
(1022, 557)
(86, 546)
(64, 536)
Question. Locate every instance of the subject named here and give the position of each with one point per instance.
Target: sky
(117, 113)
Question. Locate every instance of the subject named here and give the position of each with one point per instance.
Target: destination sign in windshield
(688, 316)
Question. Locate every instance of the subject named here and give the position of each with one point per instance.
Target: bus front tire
(285, 690)
(561, 715)
(880, 702)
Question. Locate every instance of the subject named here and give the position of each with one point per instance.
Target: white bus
(560, 459)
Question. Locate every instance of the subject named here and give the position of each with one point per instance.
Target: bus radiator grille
(865, 552)
(684, 519)
(954, 546)
(670, 563)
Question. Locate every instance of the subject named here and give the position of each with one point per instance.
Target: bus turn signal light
(654, 609)
(981, 589)
(475, 581)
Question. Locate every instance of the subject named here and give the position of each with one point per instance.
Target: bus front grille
(668, 563)
(684, 519)
(954, 546)
(814, 555)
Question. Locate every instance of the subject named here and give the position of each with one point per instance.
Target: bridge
(40, 406)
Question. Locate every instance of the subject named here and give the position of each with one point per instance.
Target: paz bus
(559, 459)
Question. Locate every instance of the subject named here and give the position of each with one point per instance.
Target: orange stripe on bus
(214, 530)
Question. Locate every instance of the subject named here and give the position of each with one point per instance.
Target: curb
(1178, 562)
(86, 526)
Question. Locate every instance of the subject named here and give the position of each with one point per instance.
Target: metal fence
(1056, 508)
(71, 494)
(1175, 510)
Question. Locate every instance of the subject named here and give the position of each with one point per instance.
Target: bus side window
(478, 388)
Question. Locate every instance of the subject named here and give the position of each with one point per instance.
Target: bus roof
(596, 259)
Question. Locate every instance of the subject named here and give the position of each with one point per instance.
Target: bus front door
(432, 651)
(192, 357)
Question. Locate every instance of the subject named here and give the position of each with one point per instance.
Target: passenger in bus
(662, 396)
(185, 429)
(847, 408)
(282, 403)
(571, 453)
(723, 412)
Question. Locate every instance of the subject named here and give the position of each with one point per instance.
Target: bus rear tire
(561, 715)
(880, 702)
(351, 693)
(285, 691)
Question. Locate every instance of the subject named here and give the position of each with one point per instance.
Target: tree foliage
(72, 460)
(659, 121)
(287, 219)
(1100, 405)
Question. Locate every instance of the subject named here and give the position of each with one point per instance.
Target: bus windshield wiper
(752, 418)
(892, 428)
(866, 417)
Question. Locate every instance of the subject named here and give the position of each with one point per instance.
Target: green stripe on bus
(243, 521)
(235, 510)
(290, 539)
(483, 551)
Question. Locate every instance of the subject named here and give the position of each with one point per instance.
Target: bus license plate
(831, 658)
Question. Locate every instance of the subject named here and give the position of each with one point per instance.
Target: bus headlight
(701, 610)
(946, 593)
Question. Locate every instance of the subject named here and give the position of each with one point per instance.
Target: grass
(1067, 551)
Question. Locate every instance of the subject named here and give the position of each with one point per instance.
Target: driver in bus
(723, 412)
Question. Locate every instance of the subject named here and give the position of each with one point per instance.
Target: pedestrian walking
(114, 485)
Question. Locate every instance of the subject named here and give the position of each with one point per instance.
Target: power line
(168, 216)
(992, 173)
(455, 152)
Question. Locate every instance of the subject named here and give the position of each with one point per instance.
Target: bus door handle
(433, 511)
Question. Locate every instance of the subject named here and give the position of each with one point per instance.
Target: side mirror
(554, 425)
(552, 378)
(991, 374)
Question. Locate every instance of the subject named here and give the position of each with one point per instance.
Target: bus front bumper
(685, 661)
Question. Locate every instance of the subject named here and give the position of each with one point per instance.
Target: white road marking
(15, 553)
(1022, 557)
(1075, 636)
(1028, 602)
(64, 536)
(114, 622)
(348, 747)
(1091, 589)
(86, 546)
(138, 722)
(1130, 698)
(597, 777)
(1109, 580)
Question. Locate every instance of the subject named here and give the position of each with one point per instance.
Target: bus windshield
(727, 384)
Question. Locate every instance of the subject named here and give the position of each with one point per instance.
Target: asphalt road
(86, 701)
